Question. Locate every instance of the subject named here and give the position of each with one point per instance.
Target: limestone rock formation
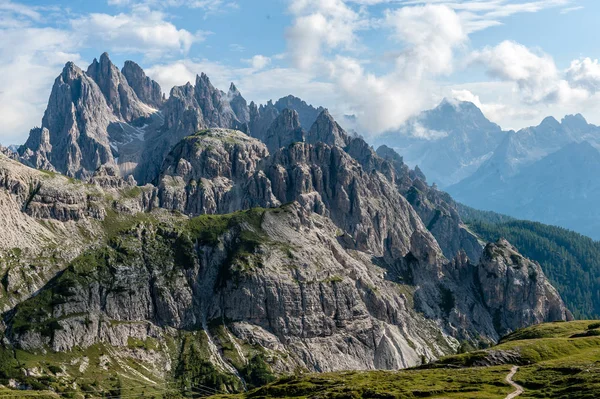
(73, 137)
(147, 90)
(284, 131)
(120, 97)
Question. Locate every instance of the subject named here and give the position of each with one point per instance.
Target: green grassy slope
(556, 360)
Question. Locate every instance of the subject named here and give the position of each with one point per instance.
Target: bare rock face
(216, 109)
(261, 118)
(326, 130)
(437, 209)
(515, 289)
(147, 90)
(206, 172)
(307, 114)
(44, 216)
(73, 137)
(120, 97)
(238, 104)
(284, 131)
(299, 293)
(364, 267)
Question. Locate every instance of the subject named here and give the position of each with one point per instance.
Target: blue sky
(382, 60)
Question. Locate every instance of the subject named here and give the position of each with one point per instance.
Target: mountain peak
(550, 121)
(70, 71)
(145, 88)
(104, 57)
(575, 122)
(327, 130)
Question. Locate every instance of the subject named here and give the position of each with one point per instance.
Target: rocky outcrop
(327, 130)
(216, 109)
(515, 290)
(277, 278)
(238, 104)
(436, 209)
(284, 131)
(307, 114)
(147, 90)
(120, 97)
(207, 172)
(261, 118)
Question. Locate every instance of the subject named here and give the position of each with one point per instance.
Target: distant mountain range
(547, 173)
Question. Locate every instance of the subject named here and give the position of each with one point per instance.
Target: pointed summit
(73, 137)
(145, 88)
(123, 101)
(550, 122)
(307, 113)
(284, 131)
(238, 104)
(215, 106)
(70, 72)
(327, 130)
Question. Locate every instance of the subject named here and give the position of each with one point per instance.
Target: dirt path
(519, 389)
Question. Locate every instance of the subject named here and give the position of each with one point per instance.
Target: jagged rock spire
(327, 130)
(284, 131)
(145, 88)
(121, 98)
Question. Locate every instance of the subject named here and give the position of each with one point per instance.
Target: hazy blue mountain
(562, 188)
(448, 143)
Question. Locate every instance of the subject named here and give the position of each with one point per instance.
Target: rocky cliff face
(435, 208)
(207, 172)
(147, 90)
(73, 137)
(284, 131)
(516, 290)
(120, 97)
(238, 104)
(279, 278)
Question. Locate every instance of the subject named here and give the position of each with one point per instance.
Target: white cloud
(321, 25)
(535, 74)
(584, 73)
(496, 112)
(571, 9)
(210, 6)
(431, 33)
(141, 31)
(259, 61)
(32, 57)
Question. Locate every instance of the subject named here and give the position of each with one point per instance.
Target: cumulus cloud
(536, 75)
(321, 25)
(584, 73)
(141, 31)
(258, 62)
(431, 34)
(427, 37)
